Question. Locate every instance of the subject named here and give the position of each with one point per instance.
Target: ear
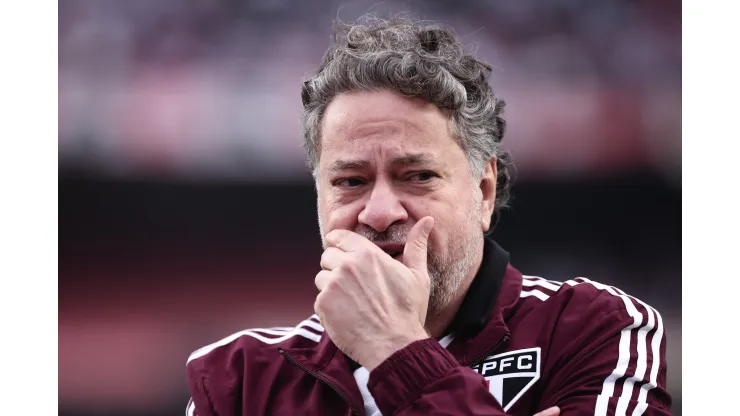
(488, 191)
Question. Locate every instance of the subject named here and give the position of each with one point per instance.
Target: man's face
(386, 162)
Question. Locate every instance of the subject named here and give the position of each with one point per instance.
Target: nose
(383, 208)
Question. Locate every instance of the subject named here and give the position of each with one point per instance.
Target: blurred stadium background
(186, 213)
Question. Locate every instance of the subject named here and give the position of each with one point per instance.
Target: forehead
(382, 122)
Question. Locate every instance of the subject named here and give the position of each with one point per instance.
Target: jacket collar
(480, 323)
(469, 347)
(475, 310)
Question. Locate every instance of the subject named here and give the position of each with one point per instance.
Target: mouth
(394, 250)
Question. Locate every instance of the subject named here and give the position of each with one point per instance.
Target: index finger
(346, 240)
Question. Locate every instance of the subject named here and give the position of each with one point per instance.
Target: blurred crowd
(211, 88)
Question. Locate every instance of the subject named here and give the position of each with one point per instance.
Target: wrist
(378, 350)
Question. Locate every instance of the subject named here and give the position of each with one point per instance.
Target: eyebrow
(413, 159)
(408, 159)
(341, 165)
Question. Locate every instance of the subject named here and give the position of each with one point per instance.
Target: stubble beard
(448, 272)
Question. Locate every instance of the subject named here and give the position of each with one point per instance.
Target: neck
(437, 322)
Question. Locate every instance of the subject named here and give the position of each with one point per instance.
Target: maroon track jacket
(521, 344)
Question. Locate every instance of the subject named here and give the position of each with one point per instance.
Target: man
(418, 311)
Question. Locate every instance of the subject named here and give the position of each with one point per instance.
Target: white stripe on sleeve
(190, 409)
(536, 293)
(642, 398)
(607, 390)
(530, 281)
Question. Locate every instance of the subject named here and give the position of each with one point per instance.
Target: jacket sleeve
(215, 375)
(199, 403)
(609, 361)
(190, 409)
(425, 379)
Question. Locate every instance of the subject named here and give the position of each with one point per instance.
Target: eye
(423, 176)
(349, 182)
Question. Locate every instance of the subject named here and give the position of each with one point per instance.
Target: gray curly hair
(417, 60)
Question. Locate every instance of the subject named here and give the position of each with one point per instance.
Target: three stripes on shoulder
(532, 286)
(637, 331)
(309, 328)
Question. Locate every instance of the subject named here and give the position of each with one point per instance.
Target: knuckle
(334, 286)
(349, 266)
(333, 236)
(373, 255)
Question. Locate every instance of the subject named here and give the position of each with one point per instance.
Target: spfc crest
(511, 374)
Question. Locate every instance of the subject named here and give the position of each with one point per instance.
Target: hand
(370, 304)
(553, 411)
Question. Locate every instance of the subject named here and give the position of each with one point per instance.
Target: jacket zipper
(322, 379)
(491, 351)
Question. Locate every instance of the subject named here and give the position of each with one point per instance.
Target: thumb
(415, 251)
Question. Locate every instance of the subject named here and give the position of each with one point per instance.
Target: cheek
(338, 216)
(446, 232)
(452, 225)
